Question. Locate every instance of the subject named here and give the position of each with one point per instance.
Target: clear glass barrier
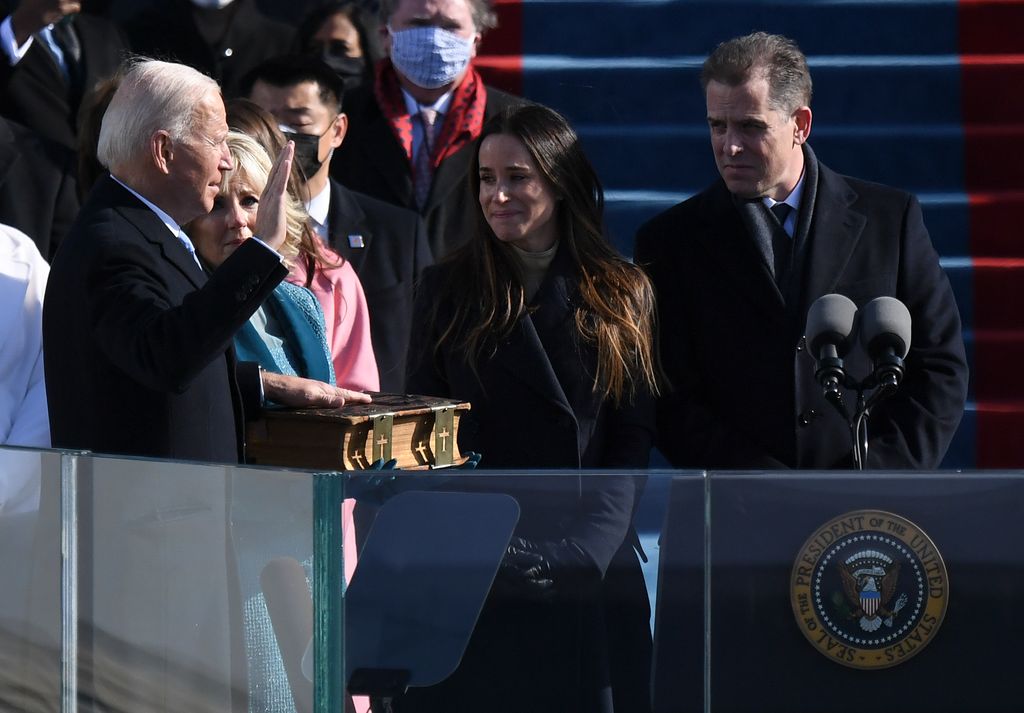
(567, 612)
(200, 587)
(30, 582)
(174, 579)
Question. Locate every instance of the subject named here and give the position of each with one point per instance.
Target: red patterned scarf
(463, 121)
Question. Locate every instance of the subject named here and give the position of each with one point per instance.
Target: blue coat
(299, 314)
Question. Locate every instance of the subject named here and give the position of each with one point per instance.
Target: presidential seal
(869, 589)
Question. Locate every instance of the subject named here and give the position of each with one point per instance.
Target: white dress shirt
(792, 200)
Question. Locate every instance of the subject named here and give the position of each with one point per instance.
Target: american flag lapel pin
(356, 241)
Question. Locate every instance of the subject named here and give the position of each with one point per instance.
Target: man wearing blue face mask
(410, 134)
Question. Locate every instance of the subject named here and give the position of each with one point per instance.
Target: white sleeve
(23, 416)
(31, 425)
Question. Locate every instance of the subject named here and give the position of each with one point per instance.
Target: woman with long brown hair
(542, 279)
(547, 331)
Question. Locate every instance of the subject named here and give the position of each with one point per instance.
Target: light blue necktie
(187, 242)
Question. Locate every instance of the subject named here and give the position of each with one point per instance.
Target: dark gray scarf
(761, 226)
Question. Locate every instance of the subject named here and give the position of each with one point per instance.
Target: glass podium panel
(538, 572)
(170, 586)
(679, 602)
(30, 582)
(828, 591)
(144, 585)
(158, 586)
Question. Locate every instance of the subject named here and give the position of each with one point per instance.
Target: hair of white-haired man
(153, 95)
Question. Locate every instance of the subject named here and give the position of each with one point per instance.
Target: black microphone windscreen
(830, 321)
(885, 322)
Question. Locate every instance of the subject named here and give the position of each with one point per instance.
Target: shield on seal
(869, 601)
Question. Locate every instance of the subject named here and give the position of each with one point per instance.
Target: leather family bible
(419, 432)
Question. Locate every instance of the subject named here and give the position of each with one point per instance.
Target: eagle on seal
(869, 590)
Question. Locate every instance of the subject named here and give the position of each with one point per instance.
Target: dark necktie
(423, 166)
(782, 244)
(65, 37)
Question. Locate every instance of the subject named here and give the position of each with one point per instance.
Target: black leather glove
(540, 570)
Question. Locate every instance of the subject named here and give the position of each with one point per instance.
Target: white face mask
(430, 57)
(212, 3)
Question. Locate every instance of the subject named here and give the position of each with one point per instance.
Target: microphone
(829, 325)
(885, 333)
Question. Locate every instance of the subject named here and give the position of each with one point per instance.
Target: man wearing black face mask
(386, 245)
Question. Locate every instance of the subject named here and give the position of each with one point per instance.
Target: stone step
(660, 28)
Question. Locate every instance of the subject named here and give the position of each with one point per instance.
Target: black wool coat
(744, 392)
(534, 407)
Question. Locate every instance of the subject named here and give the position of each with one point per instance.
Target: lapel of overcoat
(345, 217)
(383, 153)
(834, 233)
(726, 239)
(524, 354)
(152, 230)
(449, 176)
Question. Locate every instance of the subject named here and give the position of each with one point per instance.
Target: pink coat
(348, 321)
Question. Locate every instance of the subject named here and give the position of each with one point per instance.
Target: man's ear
(476, 44)
(385, 39)
(339, 130)
(161, 150)
(801, 125)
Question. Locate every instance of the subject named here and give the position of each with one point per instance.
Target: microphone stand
(885, 332)
(885, 380)
(831, 375)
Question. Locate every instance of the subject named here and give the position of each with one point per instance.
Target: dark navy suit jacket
(388, 249)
